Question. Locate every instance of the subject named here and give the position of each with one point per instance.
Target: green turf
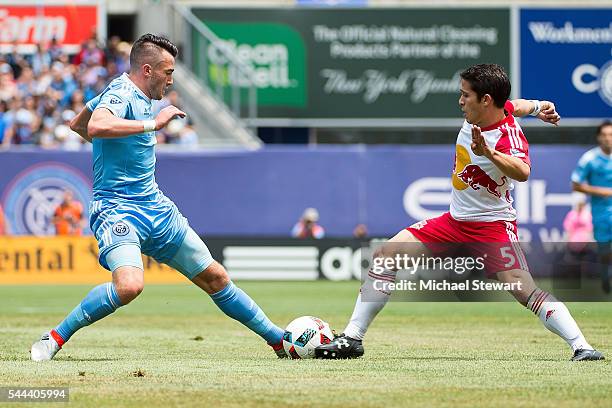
(417, 354)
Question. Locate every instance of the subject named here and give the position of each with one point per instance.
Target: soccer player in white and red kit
(491, 151)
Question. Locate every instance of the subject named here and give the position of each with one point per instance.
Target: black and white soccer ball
(304, 334)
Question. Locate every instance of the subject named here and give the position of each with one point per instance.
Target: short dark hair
(489, 79)
(147, 47)
(603, 125)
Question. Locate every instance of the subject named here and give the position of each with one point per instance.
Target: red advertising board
(28, 25)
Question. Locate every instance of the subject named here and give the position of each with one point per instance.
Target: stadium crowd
(40, 93)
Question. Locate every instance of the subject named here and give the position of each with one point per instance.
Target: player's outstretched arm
(543, 110)
(79, 123)
(104, 124)
(592, 190)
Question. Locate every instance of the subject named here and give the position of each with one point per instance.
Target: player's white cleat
(45, 348)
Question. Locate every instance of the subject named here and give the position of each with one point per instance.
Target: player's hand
(166, 115)
(479, 144)
(548, 113)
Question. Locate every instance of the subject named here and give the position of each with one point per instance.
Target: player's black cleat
(341, 347)
(587, 355)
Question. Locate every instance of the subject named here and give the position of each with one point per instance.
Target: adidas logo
(45, 337)
(549, 313)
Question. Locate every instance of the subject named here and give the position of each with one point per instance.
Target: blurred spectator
(41, 59)
(62, 83)
(593, 176)
(579, 227)
(123, 58)
(36, 90)
(188, 135)
(55, 50)
(360, 231)
(8, 87)
(90, 54)
(16, 60)
(68, 216)
(26, 83)
(179, 131)
(66, 137)
(25, 122)
(307, 226)
(111, 52)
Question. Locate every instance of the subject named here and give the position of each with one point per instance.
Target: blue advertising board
(263, 193)
(566, 56)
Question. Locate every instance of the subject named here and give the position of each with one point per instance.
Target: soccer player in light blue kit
(130, 215)
(593, 176)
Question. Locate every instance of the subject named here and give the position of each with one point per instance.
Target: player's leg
(128, 279)
(193, 259)
(371, 299)
(552, 313)
(603, 236)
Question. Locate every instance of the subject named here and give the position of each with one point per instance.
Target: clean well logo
(276, 52)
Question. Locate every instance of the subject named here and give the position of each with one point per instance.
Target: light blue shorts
(602, 229)
(156, 228)
(191, 258)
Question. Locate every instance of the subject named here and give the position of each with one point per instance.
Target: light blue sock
(238, 305)
(99, 302)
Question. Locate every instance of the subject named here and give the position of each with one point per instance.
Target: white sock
(556, 318)
(373, 302)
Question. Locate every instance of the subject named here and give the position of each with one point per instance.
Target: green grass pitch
(172, 347)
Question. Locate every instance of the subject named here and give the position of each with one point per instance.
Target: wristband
(537, 108)
(149, 125)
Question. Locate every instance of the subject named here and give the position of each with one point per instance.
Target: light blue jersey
(595, 169)
(124, 167)
(128, 208)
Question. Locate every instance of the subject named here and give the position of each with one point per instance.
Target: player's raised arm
(592, 190)
(104, 123)
(79, 123)
(512, 167)
(543, 110)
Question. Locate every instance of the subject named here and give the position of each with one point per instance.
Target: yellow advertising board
(64, 260)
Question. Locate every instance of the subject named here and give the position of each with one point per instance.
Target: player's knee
(129, 283)
(213, 279)
(129, 291)
(523, 281)
(217, 274)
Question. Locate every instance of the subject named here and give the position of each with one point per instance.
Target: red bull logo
(477, 178)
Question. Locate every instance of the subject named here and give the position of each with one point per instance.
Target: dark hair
(489, 79)
(147, 48)
(603, 125)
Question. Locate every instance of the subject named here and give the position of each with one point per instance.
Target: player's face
(161, 77)
(469, 103)
(605, 138)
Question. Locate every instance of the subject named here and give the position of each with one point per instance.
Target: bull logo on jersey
(466, 174)
(475, 177)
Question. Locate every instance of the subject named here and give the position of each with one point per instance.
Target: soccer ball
(304, 334)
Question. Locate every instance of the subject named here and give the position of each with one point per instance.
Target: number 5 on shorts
(507, 254)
